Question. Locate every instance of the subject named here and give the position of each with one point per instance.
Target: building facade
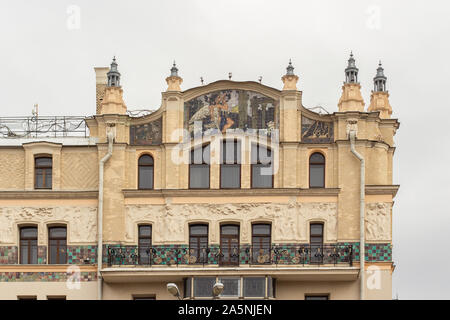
(231, 182)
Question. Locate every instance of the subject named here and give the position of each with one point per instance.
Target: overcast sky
(47, 56)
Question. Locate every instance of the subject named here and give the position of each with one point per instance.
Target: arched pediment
(227, 106)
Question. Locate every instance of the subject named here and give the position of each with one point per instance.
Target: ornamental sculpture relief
(289, 220)
(315, 131)
(378, 221)
(81, 222)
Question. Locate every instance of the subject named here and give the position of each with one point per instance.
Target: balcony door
(229, 245)
(316, 241)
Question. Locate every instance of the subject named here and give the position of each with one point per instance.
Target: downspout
(362, 251)
(110, 137)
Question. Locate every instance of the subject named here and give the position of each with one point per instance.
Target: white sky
(45, 60)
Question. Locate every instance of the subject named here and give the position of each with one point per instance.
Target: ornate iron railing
(45, 126)
(243, 255)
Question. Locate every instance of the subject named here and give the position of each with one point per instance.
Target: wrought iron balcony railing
(43, 126)
(231, 256)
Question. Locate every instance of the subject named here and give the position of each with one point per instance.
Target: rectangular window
(43, 173)
(145, 244)
(144, 297)
(255, 287)
(262, 167)
(199, 168)
(57, 245)
(231, 287)
(316, 297)
(230, 168)
(203, 286)
(56, 298)
(28, 245)
(26, 297)
(187, 287)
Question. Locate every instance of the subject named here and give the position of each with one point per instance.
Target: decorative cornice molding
(382, 189)
(48, 194)
(135, 193)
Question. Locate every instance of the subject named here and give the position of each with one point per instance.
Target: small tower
(174, 81)
(290, 79)
(112, 102)
(113, 75)
(351, 99)
(379, 99)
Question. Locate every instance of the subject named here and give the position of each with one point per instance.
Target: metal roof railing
(43, 126)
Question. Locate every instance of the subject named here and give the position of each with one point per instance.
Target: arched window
(43, 173)
(146, 171)
(262, 169)
(317, 170)
(57, 245)
(28, 245)
(199, 168)
(229, 244)
(145, 244)
(198, 243)
(230, 167)
(261, 243)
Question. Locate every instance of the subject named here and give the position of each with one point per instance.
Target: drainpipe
(362, 251)
(110, 136)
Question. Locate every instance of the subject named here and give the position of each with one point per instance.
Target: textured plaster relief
(81, 221)
(289, 220)
(378, 221)
(318, 211)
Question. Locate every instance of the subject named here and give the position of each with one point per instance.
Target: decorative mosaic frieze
(86, 254)
(45, 276)
(8, 255)
(374, 251)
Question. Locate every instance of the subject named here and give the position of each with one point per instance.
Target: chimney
(101, 81)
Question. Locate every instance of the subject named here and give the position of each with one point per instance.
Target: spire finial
(290, 69)
(113, 74)
(351, 72)
(174, 70)
(379, 82)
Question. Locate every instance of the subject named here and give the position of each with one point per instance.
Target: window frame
(323, 164)
(237, 161)
(140, 259)
(317, 260)
(229, 262)
(198, 243)
(146, 165)
(259, 164)
(29, 245)
(261, 245)
(49, 255)
(47, 171)
(204, 163)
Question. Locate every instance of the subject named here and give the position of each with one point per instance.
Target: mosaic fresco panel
(146, 134)
(315, 131)
(228, 110)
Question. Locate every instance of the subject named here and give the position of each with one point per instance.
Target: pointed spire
(174, 70)
(113, 74)
(290, 69)
(351, 72)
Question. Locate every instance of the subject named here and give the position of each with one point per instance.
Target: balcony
(242, 256)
